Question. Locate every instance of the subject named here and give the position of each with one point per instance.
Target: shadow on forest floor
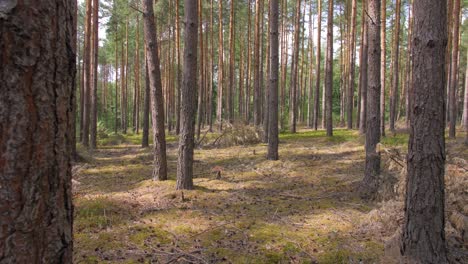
(300, 209)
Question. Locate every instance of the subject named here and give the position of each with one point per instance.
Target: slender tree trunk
(212, 52)
(202, 79)
(294, 71)
(249, 63)
(146, 107)
(116, 84)
(136, 95)
(266, 104)
(423, 239)
(230, 94)
(352, 59)
(157, 109)
(329, 72)
(383, 63)
(37, 130)
(310, 105)
(219, 112)
(188, 103)
(257, 99)
(317, 67)
(395, 67)
(363, 80)
(95, 64)
(273, 86)
(454, 69)
(370, 183)
(87, 74)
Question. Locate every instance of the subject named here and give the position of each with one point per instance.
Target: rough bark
(423, 239)
(454, 69)
(157, 109)
(329, 73)
(37, 76)
(370, 182)
(188, 103)
(274, 68)
(465, 103)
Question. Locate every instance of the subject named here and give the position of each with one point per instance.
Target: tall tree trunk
(179, 80)
(454, 69)
(87, 74)
(273, 86)
(116, 83)
(317, 63)
(219, 112)
(266, 104)
(157, 108)
(383, 63)
(423, 239)
(257, 88)
(36, 128)
(95, 64)
(212, 52)
(294, 71)
(329, 72)
(363, 80)
(370, 183)
(352, 59)
(230, 94)
(188, 103)
(249, 63)
(202, 79)
(146, 107)
(310, 105)
(395, 67)
(136, 94)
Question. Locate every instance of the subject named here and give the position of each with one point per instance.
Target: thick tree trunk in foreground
(188, 103)
(157, 109)
(423, 239)
(36, 130)
(274, 68)
(370, 183)
(329, 73)
(454, 70)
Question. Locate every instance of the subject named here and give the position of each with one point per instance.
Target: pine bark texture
(37, 79)
(274, 73)
(157, 109)
(188, 103)
(423, 239)
(383, 63)
(370, 183)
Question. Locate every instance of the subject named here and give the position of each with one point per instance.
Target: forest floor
(303, 208)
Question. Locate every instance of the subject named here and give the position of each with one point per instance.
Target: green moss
(395, 140)
(98, 213)
(144, 235)
(335, 257)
